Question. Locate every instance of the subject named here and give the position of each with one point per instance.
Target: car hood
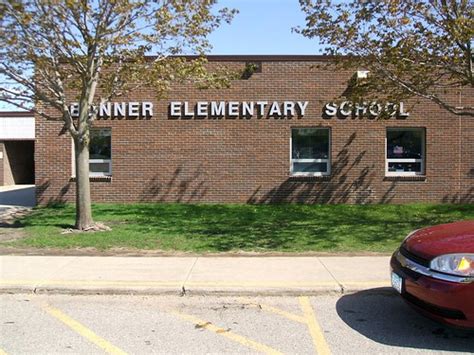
(450, 238)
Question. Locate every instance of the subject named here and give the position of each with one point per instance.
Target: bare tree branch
(411, 47)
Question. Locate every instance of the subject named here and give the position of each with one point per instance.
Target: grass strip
(239, 227)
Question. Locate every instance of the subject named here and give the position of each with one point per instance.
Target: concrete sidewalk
(192, 275)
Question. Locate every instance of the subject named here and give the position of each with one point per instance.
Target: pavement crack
(183, 290)
(341, 286)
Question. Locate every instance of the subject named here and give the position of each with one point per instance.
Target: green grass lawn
(233, 227)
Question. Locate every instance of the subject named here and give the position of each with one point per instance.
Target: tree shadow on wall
(58, 199)
(182, 187)
(466, 197)
(337, 188)
(389, 194)
(462, 198)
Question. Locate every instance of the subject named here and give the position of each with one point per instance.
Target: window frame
(327, 161)
(101, 161)
(100, 174)
(422, 161)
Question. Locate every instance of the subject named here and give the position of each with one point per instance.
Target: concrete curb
(192, 276)
(215, 291)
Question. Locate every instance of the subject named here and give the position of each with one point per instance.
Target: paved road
(17, 195)
(375, 322)
(15, 199)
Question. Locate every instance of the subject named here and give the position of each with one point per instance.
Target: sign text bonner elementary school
(244, 109)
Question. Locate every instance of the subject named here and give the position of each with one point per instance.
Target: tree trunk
(83, 190)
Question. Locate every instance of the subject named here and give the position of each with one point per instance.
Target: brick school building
(283, 133)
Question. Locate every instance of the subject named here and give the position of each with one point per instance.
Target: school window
(100, 153)
(405, 152)
(100, 157)
(310, 151)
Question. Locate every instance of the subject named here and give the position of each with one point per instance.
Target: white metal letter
(120, 108)
(302, 106)
(330, 109)
(375, 109)
(247, 108)
(360, 109)
(175, 108)
(288, 108)
(274, 109)
(233, 108)
(217, 108)
(201, 108)
(261, 107)
(147, 109)
(391, 109)
(342, 109)
(74, 109)
(401, 111)
(186, 109)
(105, 109)
(133, 109)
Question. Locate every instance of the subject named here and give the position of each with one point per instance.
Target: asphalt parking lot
(374, 321)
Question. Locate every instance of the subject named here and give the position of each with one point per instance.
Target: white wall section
(17, 128)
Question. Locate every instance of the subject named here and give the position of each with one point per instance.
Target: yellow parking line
(226, 333)
(82, 330)
(319, 342)
(275, 310)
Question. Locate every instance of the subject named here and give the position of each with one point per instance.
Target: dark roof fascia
(261, 58)
(17, 113)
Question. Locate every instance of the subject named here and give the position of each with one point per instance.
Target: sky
(262, 27)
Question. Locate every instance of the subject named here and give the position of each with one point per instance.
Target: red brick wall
(240, 160)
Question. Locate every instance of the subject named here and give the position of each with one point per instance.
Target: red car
(433, 270)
